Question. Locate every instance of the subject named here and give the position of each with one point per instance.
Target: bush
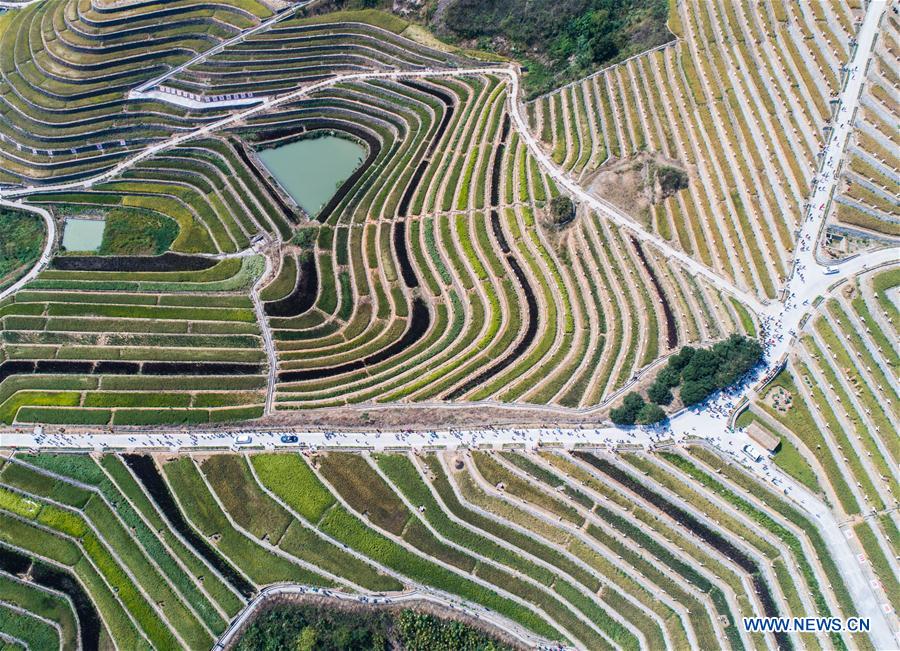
(562, 210)
(695, 391)
(305, 237)
(671, 180)
(680, 359)
(627, 414)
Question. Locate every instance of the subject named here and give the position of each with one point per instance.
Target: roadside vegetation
(22, 237)
(308, 627)
(559, 42)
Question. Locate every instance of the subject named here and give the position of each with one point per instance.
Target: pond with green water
(311, 170)
(83, 234)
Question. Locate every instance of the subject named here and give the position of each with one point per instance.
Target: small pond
(311, 170)
(83, 234)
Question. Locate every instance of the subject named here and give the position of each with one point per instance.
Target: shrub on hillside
(671, 180)
(560, 40)
(562, 209)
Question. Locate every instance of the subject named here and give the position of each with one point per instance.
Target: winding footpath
(268, 338)
(781, 323)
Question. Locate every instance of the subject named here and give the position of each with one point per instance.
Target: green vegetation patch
(288, 476)
(315, 626)
(697, 373)
(789, 459)
(137, 232)
(21, 239)
(560, 41)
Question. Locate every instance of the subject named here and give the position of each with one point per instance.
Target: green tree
(681, 359)
(628, 412)
(696, 391)
(659, 393)
(669, 377)
(650, 414)
(562, 210)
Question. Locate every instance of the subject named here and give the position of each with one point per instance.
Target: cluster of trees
(635, 409)
(560, 40)
(308, 627)
(697, 373)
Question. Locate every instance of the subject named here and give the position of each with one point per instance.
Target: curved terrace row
(735, 106)
(571, 547)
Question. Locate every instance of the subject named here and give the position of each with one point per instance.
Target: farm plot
(132, 347)
(67, 71)
(116, 544)
(67, 66)
(448, 278)
(867, 208)
(711, 142)
(836, 412)
(436, 271)
(304, 50)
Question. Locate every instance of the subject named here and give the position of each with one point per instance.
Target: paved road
(419, 594)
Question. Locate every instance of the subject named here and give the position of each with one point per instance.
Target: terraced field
(869, 206)
(740, 104)
(434, 273)
(450, 270)
(837, 404)
(590, 549)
